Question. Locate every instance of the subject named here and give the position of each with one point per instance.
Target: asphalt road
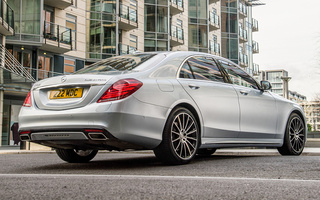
(142, 176)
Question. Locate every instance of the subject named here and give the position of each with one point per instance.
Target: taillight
(120, 89)
(24, 132)
(27, 101)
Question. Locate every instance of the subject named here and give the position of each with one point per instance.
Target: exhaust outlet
(25, 137)
(97, 136)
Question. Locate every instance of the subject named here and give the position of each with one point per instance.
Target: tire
(181, 138)
(294, 137)
(206, 152)
(76, 156)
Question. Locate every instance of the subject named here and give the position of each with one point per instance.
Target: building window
(133, 43)
(214, 38)
(44, 67)
(179, 23)
(156, 25)
(71, 23)
(69, 66)
(133, 3)
(214, 11)
(74, 3)
(48, 15)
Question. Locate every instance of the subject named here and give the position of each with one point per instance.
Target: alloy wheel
(184, 137)
(296, 134)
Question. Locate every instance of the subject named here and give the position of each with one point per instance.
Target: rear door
(258, 118)
(218, 101)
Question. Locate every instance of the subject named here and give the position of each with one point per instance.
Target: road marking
(150, 177)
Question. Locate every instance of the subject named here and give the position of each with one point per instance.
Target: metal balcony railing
(41, 74)
(177, 2)
(128, 13)
(255, 46)
(243, 59)
(57, 33)
(255, 25)
(7, 14)
(177, 32)
(255, 69)
(126, 49)
(214, 47)
(214, 18)
(242, 8)
(243, 33)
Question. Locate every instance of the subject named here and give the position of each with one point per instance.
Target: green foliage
(309, 127)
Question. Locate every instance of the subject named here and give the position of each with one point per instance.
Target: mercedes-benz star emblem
(63, 79)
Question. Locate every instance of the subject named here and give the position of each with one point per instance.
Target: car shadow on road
(127, 162)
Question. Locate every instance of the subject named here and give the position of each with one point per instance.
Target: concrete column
(286, 86)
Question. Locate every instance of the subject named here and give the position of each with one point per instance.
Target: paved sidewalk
(308, 151)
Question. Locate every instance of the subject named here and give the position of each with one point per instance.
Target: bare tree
(317, 97)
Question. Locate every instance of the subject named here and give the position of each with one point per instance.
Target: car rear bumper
(141, 124)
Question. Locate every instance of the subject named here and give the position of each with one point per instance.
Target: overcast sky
(289, 39)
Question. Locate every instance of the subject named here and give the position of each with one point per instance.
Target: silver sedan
(177, 104)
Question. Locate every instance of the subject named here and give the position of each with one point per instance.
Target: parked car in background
(177, 104)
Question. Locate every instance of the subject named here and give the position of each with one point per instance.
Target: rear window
(118, 63)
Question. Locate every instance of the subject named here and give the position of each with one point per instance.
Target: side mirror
(265, 85)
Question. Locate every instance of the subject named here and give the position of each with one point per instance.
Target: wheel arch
(298, 112)
(192, 110)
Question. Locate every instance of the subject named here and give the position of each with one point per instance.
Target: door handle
(193, 86)
(245, 93)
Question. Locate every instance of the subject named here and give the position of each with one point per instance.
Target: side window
(186, 72)
(238, 76)
(205, 69)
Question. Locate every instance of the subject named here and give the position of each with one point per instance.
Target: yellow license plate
(66, 93)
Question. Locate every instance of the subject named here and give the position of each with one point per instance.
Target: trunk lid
(68, 91)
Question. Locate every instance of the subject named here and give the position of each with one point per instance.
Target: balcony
(214, 22)
(176, 6)
(242, 10)
(56, 38)
(6, 19)
(127, 18)
(255, 25)
(243, 60)
(255, 47)
(62, 4)
(255, 70)
(214, 48)
(243, 35)
(126, 49)
(176, 38)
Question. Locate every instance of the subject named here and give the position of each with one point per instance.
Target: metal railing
(255, 46)
(243, 8)
(177, 2)
(10, 63)
(7, 14)
(214, 18)
(128, 13)
(40, 74)
(243, 33)
(255, 69)
(126, 49)
(58, 33)
(243, 58)
(255, 24)
(177, 32)
(214, 47)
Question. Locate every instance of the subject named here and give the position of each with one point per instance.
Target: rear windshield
(118, 63)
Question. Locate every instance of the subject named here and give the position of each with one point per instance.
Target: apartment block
(312, 112)
(54, 37)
